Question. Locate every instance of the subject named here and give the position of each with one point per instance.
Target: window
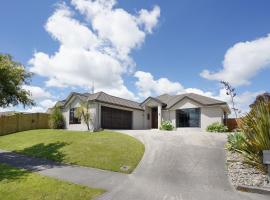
(190, 117)
(72, 118)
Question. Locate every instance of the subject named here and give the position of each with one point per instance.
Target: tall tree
(13, 76)
(230, 91)
(265, 97)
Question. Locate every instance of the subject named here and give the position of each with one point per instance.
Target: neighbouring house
(59, 104)
(110, 112)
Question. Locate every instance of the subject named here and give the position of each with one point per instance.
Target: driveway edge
(258, 190)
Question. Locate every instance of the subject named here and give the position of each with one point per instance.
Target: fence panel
(23, 122)
(233, 123)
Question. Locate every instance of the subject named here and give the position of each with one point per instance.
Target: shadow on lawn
(10, 173)
(48, 151)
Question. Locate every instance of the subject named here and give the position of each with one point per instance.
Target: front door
(154, 118)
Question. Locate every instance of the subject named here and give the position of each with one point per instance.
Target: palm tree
(84, 112)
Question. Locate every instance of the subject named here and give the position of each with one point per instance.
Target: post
(159, 116)
(266, 160)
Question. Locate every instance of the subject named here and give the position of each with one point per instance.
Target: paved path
(81, 175)
(180, 165)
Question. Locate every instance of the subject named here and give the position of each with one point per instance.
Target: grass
(19, 184)
(104, 150)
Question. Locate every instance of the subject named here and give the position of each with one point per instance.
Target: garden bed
(243, 174)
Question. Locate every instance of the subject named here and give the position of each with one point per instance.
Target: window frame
(185, 111)
(72, 118)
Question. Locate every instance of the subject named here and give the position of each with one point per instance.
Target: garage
(112, 118)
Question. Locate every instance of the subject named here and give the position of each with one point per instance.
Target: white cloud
(242, 62)
(47, 103)
(148, 86)
(149, 19)
(41, 106)
(198, 91)
(35, 109)
(7, 109)
(242, 100)
(37, 92)
(96, 50)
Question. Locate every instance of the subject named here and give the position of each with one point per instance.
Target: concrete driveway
(179, 165)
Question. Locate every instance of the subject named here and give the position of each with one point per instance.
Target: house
(110, 112)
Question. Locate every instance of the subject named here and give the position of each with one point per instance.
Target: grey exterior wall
(95, 110)
(209, 114)
(82, 126)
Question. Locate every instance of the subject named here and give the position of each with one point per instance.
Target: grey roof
(172, 100)
(106, 98)
(60, 103)
(155, 99)
(167, 100)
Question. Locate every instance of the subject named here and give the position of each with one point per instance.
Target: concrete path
(178, 165)
(81, 175)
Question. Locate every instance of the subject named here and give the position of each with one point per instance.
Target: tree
(265, 97)
(84, 112)
(57, 120)
(12, 78)
(230, 91)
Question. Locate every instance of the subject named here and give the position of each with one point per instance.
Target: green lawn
(104, 150)
(18, 184)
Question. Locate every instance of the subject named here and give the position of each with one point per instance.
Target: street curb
(258, 190)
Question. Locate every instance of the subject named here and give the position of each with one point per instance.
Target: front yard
(104, 150)
(18, 184)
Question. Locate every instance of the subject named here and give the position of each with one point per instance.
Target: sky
(135, 49)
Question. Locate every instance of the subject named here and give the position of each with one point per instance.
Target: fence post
(37, 124)
(1, 125)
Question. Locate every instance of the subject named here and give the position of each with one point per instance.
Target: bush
(217, 127)
(256, 127)
(57, 120)
(166, 125)
(235, 141)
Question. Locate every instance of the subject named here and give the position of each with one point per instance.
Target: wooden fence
(23, 122)
(232, 123)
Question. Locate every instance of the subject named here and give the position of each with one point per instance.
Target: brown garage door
(112, 118)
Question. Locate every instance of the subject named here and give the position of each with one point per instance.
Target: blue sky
(164, 48)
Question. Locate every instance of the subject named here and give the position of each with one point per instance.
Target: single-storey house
(111, 112)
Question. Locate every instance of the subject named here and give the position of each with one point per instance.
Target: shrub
(217, 127)
(235, 141)
(166, 125)
(57, 120)
(256, 126)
